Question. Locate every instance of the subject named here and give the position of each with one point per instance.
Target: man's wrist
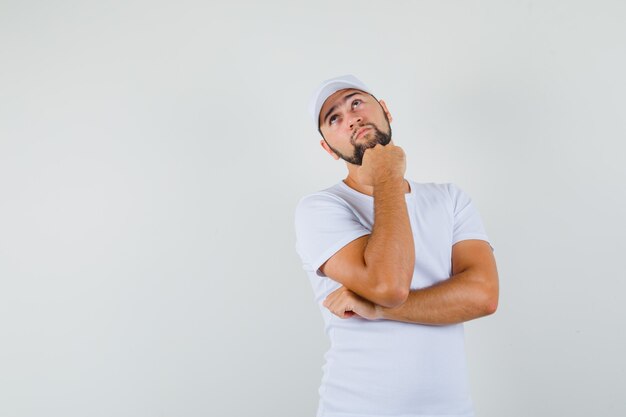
(389, 181)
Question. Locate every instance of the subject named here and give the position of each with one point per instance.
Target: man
(396, 266)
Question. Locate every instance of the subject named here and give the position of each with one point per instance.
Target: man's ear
(327, 149)
(384, 106)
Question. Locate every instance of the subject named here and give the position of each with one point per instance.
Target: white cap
(327, 89)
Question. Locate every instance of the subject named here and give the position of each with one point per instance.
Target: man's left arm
(471, 292)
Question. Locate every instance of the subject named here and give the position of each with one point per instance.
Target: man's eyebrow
(332, 109)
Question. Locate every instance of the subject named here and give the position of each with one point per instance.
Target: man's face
(351, 122)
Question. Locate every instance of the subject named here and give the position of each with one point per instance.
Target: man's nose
(356, 119)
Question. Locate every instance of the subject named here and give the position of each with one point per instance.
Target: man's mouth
(361, 131)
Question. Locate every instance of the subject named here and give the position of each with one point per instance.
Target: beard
(373, 138)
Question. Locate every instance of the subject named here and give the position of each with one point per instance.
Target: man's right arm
(379, 266)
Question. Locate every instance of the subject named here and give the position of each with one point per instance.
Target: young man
(396, 266)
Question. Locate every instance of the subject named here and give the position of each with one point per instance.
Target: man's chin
(369, 141)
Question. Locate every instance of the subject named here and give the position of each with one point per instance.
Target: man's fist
(382, 163)
(344, 304)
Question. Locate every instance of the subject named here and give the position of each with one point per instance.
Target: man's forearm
(390, 251)
(460, 298)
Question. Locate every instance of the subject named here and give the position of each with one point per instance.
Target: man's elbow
(489, 301)
(391, 296)
(491, 307)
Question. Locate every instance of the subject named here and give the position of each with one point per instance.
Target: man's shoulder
(332, 190)
(426, 189)
(335, 194)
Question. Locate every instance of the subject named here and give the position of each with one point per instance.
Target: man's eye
(332, 119)
(356, 103)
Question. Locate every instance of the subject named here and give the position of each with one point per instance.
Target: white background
(152, 154)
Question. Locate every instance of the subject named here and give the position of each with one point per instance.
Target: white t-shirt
(382, 368)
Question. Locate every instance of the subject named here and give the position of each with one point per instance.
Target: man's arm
(380, 266)
(471, 292)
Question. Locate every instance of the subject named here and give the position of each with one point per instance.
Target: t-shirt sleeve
(467, 222)
(324, 224)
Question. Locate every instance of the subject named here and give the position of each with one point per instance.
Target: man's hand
(344, 304)
(382, 163)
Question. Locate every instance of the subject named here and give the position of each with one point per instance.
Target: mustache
(356, 129)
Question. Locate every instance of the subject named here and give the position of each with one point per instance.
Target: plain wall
(152, 154)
